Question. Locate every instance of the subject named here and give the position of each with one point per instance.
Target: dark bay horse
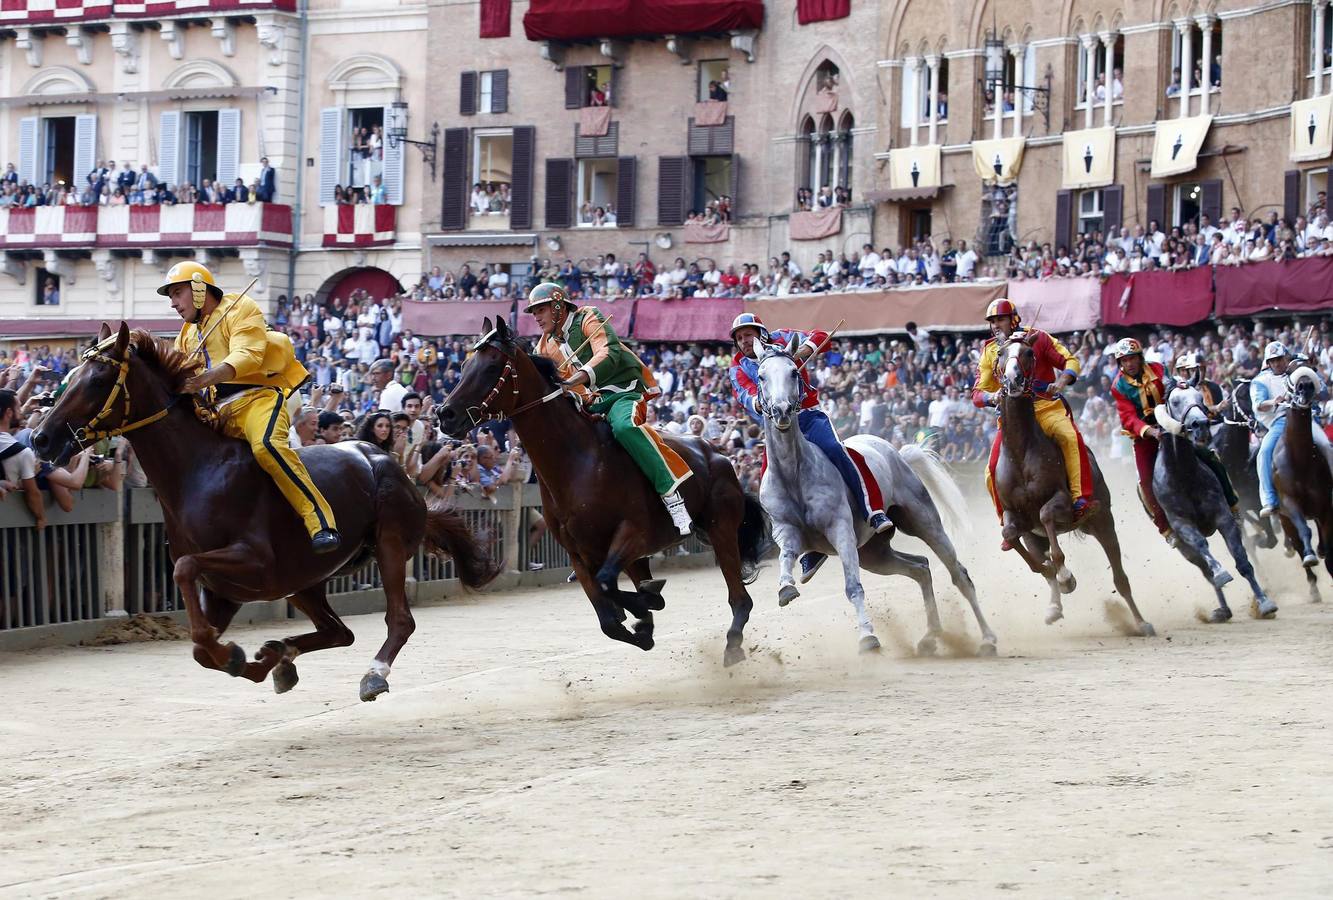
(233, 537)
(1034, 491)
(1231, 440)
(1192, 497)
(1304, 478)
(597, 504)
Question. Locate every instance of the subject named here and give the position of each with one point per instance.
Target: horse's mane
(170, 364)
(546, 368)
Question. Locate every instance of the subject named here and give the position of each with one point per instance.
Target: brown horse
(1304, 480)
(597, 504)
(233, 537)
(1034, 491)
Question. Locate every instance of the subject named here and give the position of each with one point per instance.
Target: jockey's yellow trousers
(1055, 421)
(260, 418)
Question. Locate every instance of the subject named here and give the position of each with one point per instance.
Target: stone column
(818, 140)
(1206, 64)
(1017, 54)
(933, 69)
(1108, 50)
(1089, 75)
(913, 64)
(1185, 31)
(1320, 9)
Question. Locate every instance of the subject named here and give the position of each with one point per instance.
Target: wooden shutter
(520, 204)
(1064, 217)
(467, 94)
(229, 147)
(1291, 194)
(671, 186)
(500, 91)
(391, 175)
(735, 184)
(28, 149)
(627, 171)
(85, 147)
(1113, 209)
(802, 163)
(1155, 205)
(453, 195)
(605, 145)
(615, 87)
(711, 140)
(331, 156)
(574, 87)
(168, 147)
(1210, 203)
(559, 193)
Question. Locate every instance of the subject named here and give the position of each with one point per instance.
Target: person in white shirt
(391, 390)
(19, 466)
(932, 263)
(499, 282)
(1207, 228)
(869, 261)
(967, 261)
(906, 264)
(367, 348)
(480, 203)
(711, 277)
(792, 269)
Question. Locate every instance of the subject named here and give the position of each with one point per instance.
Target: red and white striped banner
(359, 225)
(179, 225)
(20, 12)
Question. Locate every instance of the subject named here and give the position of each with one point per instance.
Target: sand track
(521, 753)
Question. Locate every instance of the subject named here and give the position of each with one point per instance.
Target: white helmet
(1187, 361)
(1274, 350)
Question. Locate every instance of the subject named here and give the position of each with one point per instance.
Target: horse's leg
(1103, 529)
(1194, 547)
(609, 616)
(208, 651)
(727, 553)
(391, 553)
(1231, 533)
(788, 539)
(878, 556)
(638, 571)
(219, 612)
(1048, 515)
(330, 631)
(1296, 516)
(843, 537)
(926, 525)
(1035, 547)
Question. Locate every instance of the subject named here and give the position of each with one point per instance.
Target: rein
(483, 413)
(87, 434)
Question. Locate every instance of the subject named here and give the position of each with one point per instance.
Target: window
(999, 219)
(1090, 211)
(492, 173)
(58, 155)
(712, 181)
(486, 86)
(1195, 35)
(596, 85)
(918, 224)
(1189, 201)
(47, 288)
(842, 142)
(714, 79)
(1326, 21)
(1018, 72)
(365, 149)
(596, 192)
(916, 93)
(201, 147)
(911, 94)
(1098, 59)
(942, 94)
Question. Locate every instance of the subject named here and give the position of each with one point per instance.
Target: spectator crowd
(107, 186)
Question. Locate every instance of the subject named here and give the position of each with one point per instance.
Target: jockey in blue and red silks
(747, 332)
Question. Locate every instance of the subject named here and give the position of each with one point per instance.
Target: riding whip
(822, 345)
(601, 326)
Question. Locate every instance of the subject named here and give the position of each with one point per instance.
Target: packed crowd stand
(106, 185)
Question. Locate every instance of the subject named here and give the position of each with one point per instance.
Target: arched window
(825, 174)
(843, 148)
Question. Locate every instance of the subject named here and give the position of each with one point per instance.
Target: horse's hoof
(372, 685)
(278, 648)
(643, 635)
(652, 585)
(1222, 578)
(1146, 629)
(733, 655)
(285, 677)
(1309, 560)
(787, 593)
(1066, 581)
(926, 646)
(868, 644)
(1220, 615)
(235, 661)
(986, 649)
(1054, 614)
(1265, 608)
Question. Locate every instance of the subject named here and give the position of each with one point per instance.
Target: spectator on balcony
(11, 175)
(480, 205)
(144, 187)
(125, 178)
(341, 195)
(505, 198)
(467, 281)
(164, 196)
(1173, 89)
(378, 196)
(716, 91)
(208, 193)
(238, 193)
(267, 187)
(825, 199)
(499, 283)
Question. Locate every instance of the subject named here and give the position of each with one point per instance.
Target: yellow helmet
(197, 275)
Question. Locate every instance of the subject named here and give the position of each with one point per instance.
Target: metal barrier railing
(55, 575)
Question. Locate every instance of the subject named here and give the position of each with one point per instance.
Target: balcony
(129, 227)
(359, 225)
(53, 14)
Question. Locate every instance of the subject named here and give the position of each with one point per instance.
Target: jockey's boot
(810, 561)
(680, 517)
(880, 522)
(326, 540)
(1084, 508)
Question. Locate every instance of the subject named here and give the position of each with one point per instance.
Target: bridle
(508, 376)
(87, 434)
(1024, 379)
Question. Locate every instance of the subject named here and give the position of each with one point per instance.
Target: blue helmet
(748, 320)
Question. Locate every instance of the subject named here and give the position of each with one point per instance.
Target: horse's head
(779, 383)
(1185, 405)
(1017, 362)
(1304, 386)
(488, 386)
(93, 400)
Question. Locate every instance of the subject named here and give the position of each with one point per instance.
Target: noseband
(483, 412)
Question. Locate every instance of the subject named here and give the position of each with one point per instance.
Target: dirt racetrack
(521, 753)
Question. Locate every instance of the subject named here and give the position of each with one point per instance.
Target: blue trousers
(1268, 493)
(818, 430)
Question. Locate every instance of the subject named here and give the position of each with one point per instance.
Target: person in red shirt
(1138, 390)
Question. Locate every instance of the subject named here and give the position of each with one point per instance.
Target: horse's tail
(448, 534)
(755, 538)
(943, 490)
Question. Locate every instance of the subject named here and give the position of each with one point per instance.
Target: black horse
(1193, 500)
(1231, 441)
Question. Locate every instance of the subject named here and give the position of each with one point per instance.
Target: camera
(46, 400)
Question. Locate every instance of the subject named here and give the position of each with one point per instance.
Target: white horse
(811, 510)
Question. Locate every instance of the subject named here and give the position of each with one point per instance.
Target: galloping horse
(233, 537)
(808, 502)
(1231, 440)
(596, 503)
(1304, 476)
(1031, 483)
(1192, 498)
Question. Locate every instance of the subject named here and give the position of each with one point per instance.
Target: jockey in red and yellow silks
(1058, 368)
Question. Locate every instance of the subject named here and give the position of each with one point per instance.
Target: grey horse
(810, 509)
(1192, 497)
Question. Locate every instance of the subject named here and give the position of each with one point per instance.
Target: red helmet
(1002, 306)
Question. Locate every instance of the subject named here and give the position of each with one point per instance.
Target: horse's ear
(486, 325)
(792, 345)
(122, 341)
(104, 333)
(501, 329)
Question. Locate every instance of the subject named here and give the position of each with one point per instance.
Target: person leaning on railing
(18, 462)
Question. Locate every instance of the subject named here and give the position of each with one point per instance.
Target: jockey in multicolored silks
(747, 331)
(1056, 369)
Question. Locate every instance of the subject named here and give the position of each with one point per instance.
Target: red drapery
(1298, 285)
(556, 20)
(808, 11)
(495, 18)
(701, 319)
(446, 317)
(378, 283)
(815, 224)
(1158, 298)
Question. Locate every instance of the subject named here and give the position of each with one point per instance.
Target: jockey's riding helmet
(200, 279)
(1002, 306)
(1127, 347)
(1187, 361)
(748, 320)
(547, 292)
(1274, 350)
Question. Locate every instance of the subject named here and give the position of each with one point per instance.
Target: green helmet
(547, 292)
